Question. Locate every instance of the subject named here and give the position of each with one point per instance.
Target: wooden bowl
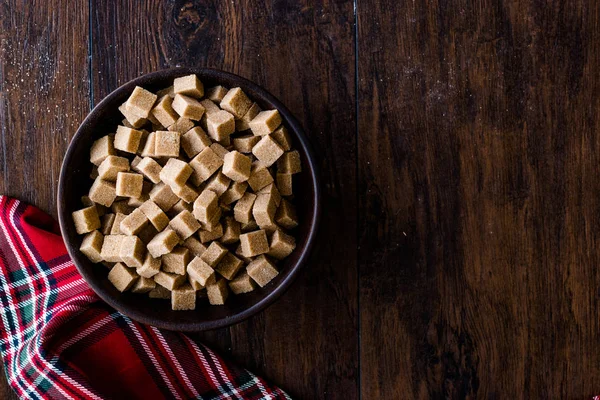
(75, 182)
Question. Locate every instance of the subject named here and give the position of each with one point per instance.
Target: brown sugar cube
(155, 215)
(204, 165)
(121, 207)
(244, 144)
(237, 166)
(132, 251)
(189, 85)
(259, 176)
(200, 271)
(236, 102)
(163, 243)
(86, 220)
(167, 144)
(159, 292)
(217, 292)
(229, 266)
(176, 261)
(286, 215)
(127, 139)
(122, 277)
(163, 196)
(150, 266)
(147, 234)
(234, 193)
(135, 162)
(208, 235)
(289, 163)
(106, 223)
(220, 124)
(254, 243)
(183, 298)
(188, 107)
(184, 224)
(263, 211)
(101, 149)
(149, 168)
(168, 91)
(91, 246)
(163, 111)
(140, 102)
(182, 125)
(179, 207)
(111, 248)
(231, 231)
(143, 285)
(134, 222)
(218, 183)
(242, 283)
(281, 245)
(116, 226)
(241, 255)
(148, 150)
(195, 247)
(186, 193)
(216, 93)
(265, 122)
(111, 166)
(242, 211)
(242, 124)
(214, 254)
(267, 151)
(87, 202)
(284, 183)
(250, 226)
(209, 107)
(169, 281)
(213, 222)
(261, 270)
(194, 283)
(282, 137)
(205, 206)
(129, 184)
(175, 172)
(271, 189)
(132, 119)
(194, 141)
(219, 150)
(94, 173)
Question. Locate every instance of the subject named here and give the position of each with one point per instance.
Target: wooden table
(461, 163)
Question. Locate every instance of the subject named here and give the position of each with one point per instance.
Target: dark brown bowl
(75, 182)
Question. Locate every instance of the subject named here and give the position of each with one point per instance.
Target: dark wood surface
(460, 159)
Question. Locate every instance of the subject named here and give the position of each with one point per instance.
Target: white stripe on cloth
(162, 373)
(186, 379)
(17, 372)
(208, 367)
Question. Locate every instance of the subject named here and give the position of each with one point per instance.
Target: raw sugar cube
(205, 206)
(163, 111)
(184, 224)
(234, 193)
(194, 141)
(259, 176)
(289, 163)
(129, 184)
(216, 93)
(150, 266)
(284, 184)
(214, 254)
(122, 277)
(261, 270)
(204, 165)
(155, 215)
(188, 107)
(254, 243)
(176, 261)
(132, 119)
(149, 168)
(140, 102)
(91, 246)
(236, 102)
(163, 243)
(220, 124)
(282, 137)
(243, 208)
(111, 248)
(286, 215)
(183, 298)
(167, 143)
(267, 151)
(175, 172)
(143, 285)
(189, 85)
(168, 280)
(236, 166)
(229, 266)
(244, 144)
(132, 251)
(281, 245)
(86, 220)
(242, 283)
(111, 166)
(101, 149)
(242, 124)
(127, 139)
(201, 271)
(182, 125)
(218, 292)
(163, 196)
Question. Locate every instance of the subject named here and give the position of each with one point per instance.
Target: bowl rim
(283, 286)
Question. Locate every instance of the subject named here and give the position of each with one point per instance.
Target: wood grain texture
(303, 53)
(479, 160)
(44, 95)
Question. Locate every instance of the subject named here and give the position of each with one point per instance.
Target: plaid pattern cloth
(60, 341)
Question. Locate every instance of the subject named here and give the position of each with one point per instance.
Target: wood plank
(44, 89)
(302, 52)
(478, 157)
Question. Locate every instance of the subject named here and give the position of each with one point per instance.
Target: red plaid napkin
(60, 341)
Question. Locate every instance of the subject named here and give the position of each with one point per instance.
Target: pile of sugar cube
(192, 196)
